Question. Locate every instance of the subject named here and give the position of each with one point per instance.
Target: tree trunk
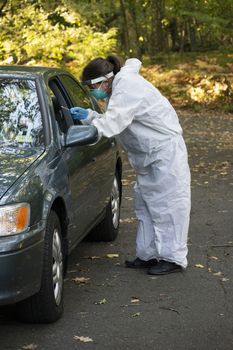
(134, 29)
(173, 30)
(125, 30)
(192, 36)
(157, 43)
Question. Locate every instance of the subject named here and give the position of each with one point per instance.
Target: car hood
(13, 163)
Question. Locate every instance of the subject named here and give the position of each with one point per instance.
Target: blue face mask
(98, 94)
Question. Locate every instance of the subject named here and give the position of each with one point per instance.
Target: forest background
(186, 46)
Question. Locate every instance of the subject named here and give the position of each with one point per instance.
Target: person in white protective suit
(148, 128)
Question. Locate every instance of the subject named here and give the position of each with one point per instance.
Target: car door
(91, 168)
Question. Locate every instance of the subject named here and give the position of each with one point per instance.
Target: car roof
(29, 71)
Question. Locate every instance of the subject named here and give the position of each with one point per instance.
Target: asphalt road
(119, 308)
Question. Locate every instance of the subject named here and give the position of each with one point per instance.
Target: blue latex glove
(78, 113)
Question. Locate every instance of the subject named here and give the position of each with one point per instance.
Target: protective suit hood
(132, 65)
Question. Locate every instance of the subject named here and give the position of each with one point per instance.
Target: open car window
(78, 96)
(61, 104)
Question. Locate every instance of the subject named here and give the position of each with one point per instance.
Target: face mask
(98, 94)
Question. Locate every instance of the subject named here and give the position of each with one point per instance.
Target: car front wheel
(47, 305)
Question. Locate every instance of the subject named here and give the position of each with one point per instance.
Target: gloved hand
(78, 113)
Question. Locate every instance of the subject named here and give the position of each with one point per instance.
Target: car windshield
(20, 117)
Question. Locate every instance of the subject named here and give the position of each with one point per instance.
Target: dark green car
(58, 183)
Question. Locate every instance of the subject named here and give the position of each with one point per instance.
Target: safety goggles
(99, 79)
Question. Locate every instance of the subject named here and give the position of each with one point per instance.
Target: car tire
(107, 229)
(47, 305)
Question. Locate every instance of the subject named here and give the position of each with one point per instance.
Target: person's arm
(118, 116)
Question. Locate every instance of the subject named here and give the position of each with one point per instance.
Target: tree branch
(2, 6)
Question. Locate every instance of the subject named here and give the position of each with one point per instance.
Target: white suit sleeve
(118, 116)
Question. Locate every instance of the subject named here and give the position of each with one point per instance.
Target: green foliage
(170, 34)
(147, 27)
(32, 35)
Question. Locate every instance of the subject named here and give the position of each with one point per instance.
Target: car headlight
(14, 218)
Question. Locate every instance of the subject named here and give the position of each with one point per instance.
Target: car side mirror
(80, 135)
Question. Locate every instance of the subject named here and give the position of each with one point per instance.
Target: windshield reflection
(20, 117)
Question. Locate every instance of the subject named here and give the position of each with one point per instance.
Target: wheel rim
(57, 267)
(115, 202)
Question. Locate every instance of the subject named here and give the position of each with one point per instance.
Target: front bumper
(21, 259)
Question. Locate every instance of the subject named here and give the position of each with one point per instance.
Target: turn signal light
(14, 218)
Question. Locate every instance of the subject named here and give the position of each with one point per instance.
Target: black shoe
(138, 263)
(164, 267)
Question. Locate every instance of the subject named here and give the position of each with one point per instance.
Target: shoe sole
(164, 273)
(139, 267)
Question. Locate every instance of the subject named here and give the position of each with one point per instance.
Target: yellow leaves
(199, 266)
(219, 273)
(108, 256)
(126, 182)
(135, 300)
(224, 279)
(47, 43)
(81, 280)
(209, 89)
(187, 82)
(83, 339)
(128, 220)
(29, 347)
(129, 198)
(213, 257)
(112, 256)
(101, 302)
(216, 169)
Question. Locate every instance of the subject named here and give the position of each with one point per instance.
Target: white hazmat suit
(148, 128)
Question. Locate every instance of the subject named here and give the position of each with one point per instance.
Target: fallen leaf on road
(127, 220)
(29, 347)
(136, 315)
(83, 339)
(129, 198)
(112, 256)
(80, 280)
(101, 302)
(213, 257)
(92, 257)
(217, 273)
(225, 279)
(135, 300)
(200, 266)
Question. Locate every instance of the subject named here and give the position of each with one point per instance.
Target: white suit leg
(165, 190)
(145, 246)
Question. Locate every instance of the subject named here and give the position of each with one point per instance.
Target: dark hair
(100, 67)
